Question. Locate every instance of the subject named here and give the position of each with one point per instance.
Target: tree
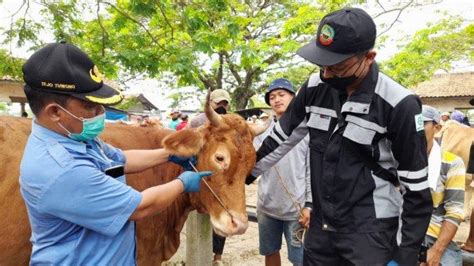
(236, 45)
(432, 49)
(3, 107)
(10, 66)
(211, 44)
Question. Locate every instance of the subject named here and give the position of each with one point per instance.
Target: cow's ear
(184, 143)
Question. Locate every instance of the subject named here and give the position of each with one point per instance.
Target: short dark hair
(363, 53)
(39, 99)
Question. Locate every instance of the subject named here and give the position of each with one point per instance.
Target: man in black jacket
(367, 150)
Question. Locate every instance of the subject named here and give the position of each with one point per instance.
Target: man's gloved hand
(191, 180)
(183, 161)
(392, 263)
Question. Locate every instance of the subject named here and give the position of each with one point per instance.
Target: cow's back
(14, 227)
(457, 138)
(158, 236)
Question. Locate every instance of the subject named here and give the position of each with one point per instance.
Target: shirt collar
(50, 136)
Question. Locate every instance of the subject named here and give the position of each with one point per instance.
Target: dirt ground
(243, 249)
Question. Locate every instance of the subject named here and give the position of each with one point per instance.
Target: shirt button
(325, 226)
(327, 197)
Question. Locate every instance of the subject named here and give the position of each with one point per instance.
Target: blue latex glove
(392, 263)
(192, 180)
(183, 161)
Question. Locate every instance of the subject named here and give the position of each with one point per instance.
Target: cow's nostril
(220, 158)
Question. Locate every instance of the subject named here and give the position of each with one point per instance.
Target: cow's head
(224, 146)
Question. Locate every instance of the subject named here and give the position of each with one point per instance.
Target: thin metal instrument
(212, 191)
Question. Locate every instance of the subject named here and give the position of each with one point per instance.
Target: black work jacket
(381, 122)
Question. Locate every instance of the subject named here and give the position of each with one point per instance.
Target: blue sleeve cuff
(124, 216)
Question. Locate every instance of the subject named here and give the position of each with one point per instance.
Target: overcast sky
(410, 21)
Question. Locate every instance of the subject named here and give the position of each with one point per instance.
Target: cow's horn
(213, 117)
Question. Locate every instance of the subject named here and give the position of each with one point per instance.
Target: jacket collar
(359, 101)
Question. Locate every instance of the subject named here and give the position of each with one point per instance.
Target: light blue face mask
(91, 127)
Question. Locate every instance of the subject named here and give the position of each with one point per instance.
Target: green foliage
(431, 49)
(10, 66)
(229, 44)
(127, 103)
(3, 107)
(235, 45)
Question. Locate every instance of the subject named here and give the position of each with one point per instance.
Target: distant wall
(10, 88)
(448, 103)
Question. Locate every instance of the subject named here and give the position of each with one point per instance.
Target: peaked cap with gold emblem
(63, 68)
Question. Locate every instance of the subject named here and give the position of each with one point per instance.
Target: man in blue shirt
(80, 209)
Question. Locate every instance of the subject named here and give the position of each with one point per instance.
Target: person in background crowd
(184, 122)
(80, 209)
(444, 117)
(220, 102)
(367, 143)
(469, 244)
(284, 191)
(458, 116)
(174, 119)
(446, 174)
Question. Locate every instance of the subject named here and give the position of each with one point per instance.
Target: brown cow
(457, 138)
(224, 146)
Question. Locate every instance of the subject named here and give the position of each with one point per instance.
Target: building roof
(147, 104)
(447, 85)
(246, 113)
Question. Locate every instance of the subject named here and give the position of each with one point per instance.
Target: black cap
(279, 84)
(341, 34)
(65, 69)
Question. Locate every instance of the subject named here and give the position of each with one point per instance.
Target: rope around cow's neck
(213, 193)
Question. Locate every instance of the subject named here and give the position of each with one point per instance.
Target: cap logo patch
(326, 36)
(95, 74)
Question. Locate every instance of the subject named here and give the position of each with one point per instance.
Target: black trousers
(218, 243)
(333, 248)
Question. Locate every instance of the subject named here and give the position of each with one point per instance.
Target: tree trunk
(241, 97)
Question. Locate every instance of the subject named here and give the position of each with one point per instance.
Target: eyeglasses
(342, 67)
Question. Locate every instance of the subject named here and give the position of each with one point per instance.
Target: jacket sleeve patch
(419, 122)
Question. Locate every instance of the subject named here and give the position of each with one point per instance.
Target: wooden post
(198, 239)
(22, 108)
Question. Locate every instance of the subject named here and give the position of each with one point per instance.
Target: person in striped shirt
(446, 173)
